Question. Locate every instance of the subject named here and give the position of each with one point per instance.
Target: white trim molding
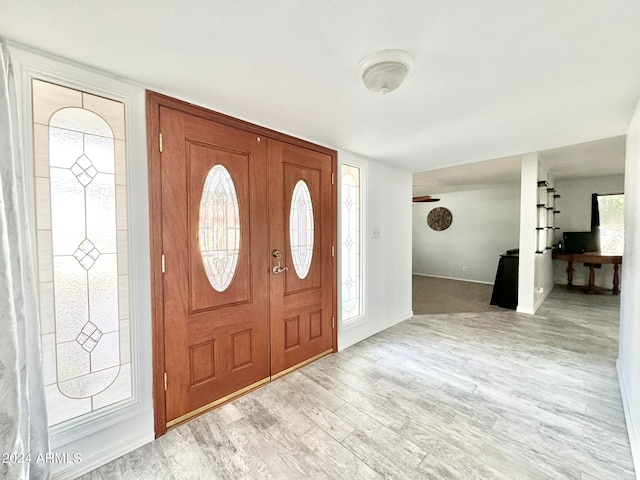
(103, 456)
(632, 431)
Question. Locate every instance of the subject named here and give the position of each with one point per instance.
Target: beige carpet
(438, 295)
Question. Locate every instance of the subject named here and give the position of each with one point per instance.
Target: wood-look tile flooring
(493, 395)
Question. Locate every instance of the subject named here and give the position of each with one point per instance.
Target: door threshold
(210, 406)
(301, 364)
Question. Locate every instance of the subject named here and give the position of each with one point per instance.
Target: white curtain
(23, 418)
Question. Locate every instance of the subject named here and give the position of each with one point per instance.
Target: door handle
(278, 269)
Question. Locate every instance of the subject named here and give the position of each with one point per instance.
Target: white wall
(485, 224)
(535, 275)
(543, 283)
(387, 260)
(528, 222)
(575, 216)
(629, 350)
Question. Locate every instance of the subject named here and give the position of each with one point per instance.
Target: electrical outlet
(375, 233)
(464, 268)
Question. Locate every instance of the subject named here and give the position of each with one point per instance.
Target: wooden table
(591, 259)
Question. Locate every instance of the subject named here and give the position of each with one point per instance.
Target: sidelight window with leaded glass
(351, 242)
(82, 242)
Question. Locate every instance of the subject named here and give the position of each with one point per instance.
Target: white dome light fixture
(384, 71)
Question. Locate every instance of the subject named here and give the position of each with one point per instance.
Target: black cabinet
(505, 288)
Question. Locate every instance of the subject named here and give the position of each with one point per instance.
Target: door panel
(201, 158)
(312, 179)
(301, 308)
(216, 342)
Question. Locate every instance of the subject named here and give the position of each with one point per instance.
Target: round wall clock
(439, 218)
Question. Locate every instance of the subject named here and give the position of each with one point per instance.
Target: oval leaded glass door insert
(219, 228)
(301, 229)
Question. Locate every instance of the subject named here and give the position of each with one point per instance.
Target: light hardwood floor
(492, 395)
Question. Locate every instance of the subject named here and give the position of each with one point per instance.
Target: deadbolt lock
(276, 253)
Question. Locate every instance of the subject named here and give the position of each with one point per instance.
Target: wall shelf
(545, 226)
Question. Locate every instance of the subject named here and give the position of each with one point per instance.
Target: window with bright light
(82, 240)
(350, 246)
(611, 208)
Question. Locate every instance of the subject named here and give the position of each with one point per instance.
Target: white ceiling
(591, 159)
(490, 78)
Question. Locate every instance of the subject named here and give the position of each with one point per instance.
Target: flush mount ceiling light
(383, 71)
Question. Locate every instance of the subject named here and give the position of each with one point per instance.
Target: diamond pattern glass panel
(350, 244)
(77, 190)
(219, 228)
(301, 229)
(89, 337)
(84, 170)
(86, 254)
(74, 222)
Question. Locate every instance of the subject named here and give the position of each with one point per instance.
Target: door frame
(154, 102)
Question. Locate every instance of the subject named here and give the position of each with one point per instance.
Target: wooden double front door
(247, 247)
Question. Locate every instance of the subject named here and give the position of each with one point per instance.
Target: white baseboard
(349, 337)
(452, 278)
(634, 440)
(103, 457)
(542, 298)
(528, 311)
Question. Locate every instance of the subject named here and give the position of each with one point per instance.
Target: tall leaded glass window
(350, 245)
(82, 237)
